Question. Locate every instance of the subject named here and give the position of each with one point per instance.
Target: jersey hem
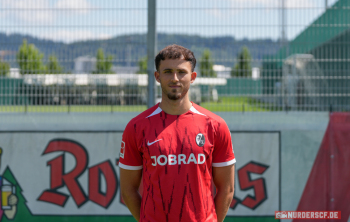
(224, 163)
(127, 167)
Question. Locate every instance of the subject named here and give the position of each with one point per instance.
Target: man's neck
(175, 107)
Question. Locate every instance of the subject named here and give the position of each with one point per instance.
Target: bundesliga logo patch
(200, 139)
(122, 150)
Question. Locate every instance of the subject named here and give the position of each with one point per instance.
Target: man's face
(175, 77)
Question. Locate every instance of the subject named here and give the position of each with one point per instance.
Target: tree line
(242, 67)
(30, 61)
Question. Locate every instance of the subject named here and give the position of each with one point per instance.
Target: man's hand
(224, 178)
(12, 200)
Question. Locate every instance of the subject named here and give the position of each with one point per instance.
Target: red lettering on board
(59, 178)
(96, 194)
(259, 185)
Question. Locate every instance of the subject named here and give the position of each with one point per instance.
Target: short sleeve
(130, 157)
(223, 154)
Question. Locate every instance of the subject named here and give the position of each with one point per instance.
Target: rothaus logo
(172, 159)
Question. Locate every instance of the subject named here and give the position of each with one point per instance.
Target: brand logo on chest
(200, 139)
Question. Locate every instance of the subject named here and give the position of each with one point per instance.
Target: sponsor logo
(200, 139)
(258, 185)
(122, 150)
(103, 172)
(8, 194)
(172, 159)
(148, 143)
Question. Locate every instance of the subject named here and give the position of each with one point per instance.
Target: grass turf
(236, 104)
(225, 104)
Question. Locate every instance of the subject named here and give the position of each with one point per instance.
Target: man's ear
(156, 76)
(193, 76)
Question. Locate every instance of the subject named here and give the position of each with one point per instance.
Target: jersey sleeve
(223, 154)
(130, 157)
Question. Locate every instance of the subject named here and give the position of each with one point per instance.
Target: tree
(206, 65)
(53, 66)
(103, 65)
(29, 59)
(142, 65)
(243, 66)
(4, 68)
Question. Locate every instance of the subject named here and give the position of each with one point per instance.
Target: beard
(173, 95)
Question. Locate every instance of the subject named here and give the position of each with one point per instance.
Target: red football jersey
(177, 153)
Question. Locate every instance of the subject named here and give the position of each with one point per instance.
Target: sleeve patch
(122, 150)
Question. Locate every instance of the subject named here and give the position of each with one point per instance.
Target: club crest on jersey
(122, 150)
(200, 139)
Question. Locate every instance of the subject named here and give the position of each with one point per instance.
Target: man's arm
(129, 184)
(224, 178)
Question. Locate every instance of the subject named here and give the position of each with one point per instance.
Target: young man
(178, 148)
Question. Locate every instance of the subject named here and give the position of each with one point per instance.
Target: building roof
(332, 23)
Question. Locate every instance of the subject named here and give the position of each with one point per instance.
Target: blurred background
(253, 56)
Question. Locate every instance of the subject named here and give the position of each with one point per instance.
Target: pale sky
(73, 20)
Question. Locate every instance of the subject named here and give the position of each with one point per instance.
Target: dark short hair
(175, 52)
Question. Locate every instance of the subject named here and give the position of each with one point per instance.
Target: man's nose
(174, 77)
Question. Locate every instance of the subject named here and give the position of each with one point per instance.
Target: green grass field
(225, 104)
(236, 104)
